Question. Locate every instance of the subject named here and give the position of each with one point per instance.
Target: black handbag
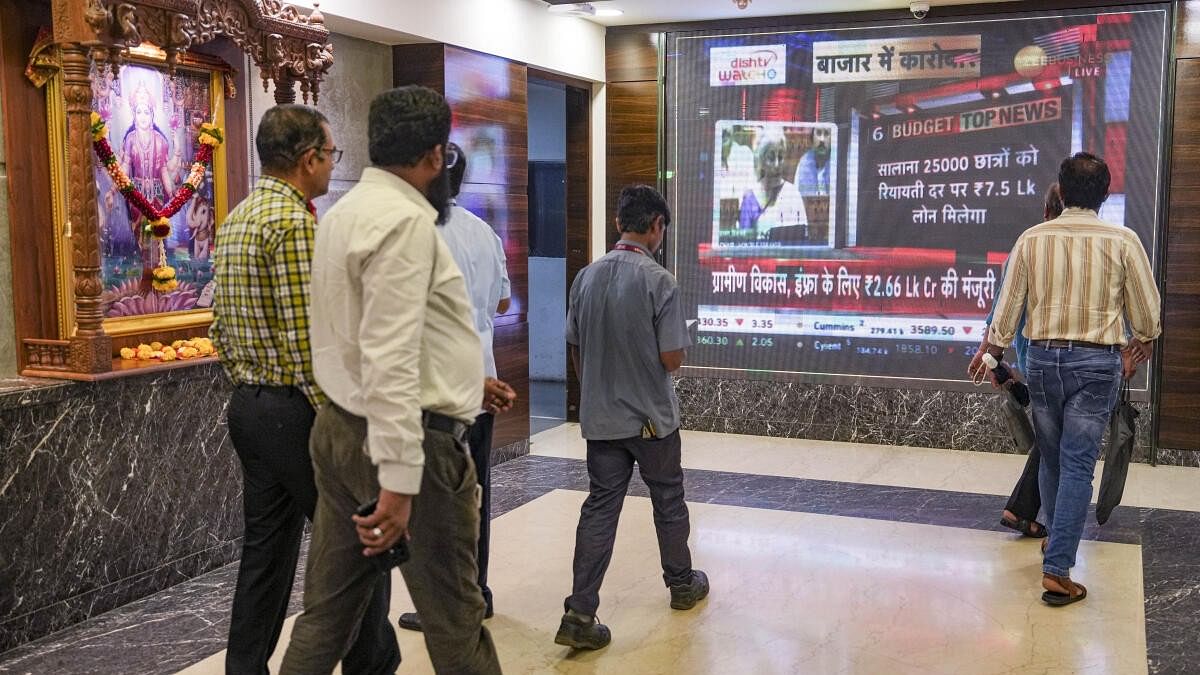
(1122, 429)
(1017, 421)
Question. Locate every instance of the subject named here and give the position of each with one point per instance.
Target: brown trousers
(441, 575)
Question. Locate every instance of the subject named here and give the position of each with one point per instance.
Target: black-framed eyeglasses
(451, 157)
(334, 152)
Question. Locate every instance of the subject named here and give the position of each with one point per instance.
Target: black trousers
(480, 441)
(269, 428)
(610, 466)
(1026, 498)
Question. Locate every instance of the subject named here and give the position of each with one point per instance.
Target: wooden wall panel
(30, 210)
(632, 150)
(1187, 30)
(1179, 395)
(1179, 398)
(512, 359)
(1183, 228)
(489, 98)
(508, 214)
(630, 57)
(579, 225)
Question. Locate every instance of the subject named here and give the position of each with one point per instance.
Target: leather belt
(1072, 344)
(445, 424)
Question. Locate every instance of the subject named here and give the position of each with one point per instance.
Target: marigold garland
(162, 277)
(158, 224)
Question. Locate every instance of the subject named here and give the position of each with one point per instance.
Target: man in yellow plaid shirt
(263, 266)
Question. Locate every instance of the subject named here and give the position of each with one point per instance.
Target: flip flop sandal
(1025, 527)
(1057, 599)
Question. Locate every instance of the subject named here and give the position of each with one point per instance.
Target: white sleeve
(502, 260)
(395, 280)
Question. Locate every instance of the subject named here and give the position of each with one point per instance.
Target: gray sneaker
(685, 596)
(580, 631)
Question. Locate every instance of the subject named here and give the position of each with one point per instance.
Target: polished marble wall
(111, 491)
(345, 101)
(860, 414)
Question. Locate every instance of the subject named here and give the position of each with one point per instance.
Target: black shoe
(580, 631)
(412, 620)
(686, 596)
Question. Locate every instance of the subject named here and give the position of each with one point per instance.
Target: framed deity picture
(152, 122)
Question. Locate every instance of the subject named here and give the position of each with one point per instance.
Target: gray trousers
(440, 575)
(610, 466)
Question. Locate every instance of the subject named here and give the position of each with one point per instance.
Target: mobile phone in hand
(393, 557)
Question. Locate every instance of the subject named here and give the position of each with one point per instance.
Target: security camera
(919, 10)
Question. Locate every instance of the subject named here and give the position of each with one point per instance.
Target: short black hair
(286, 132)
(1083, 179)
(638, 206)
(458, 170)
(405, 123)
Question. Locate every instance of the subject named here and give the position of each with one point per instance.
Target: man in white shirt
(479, 254)
(396, 352)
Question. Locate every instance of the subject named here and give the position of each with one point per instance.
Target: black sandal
(1025, 527)
(1075, 591)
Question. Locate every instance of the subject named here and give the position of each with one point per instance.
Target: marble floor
(1166, 487)
(824, 558)
(801, 593)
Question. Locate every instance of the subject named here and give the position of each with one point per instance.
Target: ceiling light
(575, 9)
(609, 12)
(742, 4)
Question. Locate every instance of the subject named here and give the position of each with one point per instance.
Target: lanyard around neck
(622, 246)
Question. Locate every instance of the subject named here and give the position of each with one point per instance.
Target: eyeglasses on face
(333, 152)
(451, 157)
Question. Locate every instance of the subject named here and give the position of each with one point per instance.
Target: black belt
(432, 421)
(445, 424)
(1072, 344)
(270, 388)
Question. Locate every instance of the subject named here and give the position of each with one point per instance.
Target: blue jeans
(1074, 392)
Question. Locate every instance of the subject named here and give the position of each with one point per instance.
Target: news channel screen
(845, 199)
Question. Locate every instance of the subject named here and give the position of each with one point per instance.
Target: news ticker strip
(712, 319)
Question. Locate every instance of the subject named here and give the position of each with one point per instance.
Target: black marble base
(110, 491)
(510, 451)
(858, 414)
(1172, 457)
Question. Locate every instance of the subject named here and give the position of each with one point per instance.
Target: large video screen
(845, 198)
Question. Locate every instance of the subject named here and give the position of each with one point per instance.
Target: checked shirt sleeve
(292, 271)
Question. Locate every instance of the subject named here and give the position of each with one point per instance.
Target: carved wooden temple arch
(289, 49)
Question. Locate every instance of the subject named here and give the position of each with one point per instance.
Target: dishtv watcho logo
(744, 66)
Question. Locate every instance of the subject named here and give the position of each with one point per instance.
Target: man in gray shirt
(627, 333)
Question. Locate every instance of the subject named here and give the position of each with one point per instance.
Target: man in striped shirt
(1079, 281)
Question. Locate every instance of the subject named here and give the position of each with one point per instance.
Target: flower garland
(158, 224)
